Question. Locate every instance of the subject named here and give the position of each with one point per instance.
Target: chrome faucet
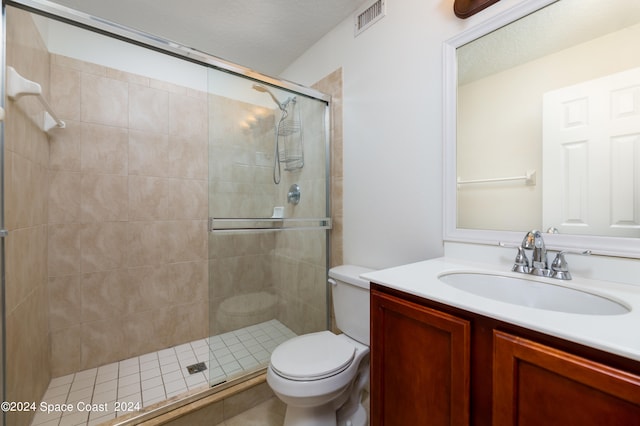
(539, 262)
(539, 265)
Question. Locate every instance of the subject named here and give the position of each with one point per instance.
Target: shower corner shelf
(267, 224)
(18, 86)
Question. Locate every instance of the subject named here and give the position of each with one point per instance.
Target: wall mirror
(542, 126)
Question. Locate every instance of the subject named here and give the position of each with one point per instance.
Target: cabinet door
(419, 364)
(538, 385)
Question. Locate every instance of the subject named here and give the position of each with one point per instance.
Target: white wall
(392, 80)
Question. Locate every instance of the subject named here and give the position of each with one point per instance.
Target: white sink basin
(534, 294)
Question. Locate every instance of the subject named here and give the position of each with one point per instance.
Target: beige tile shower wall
(246, 269)
(241, 264)
(300, 256)
(26, 160)
(127, 220)
(301, 279)
(241, 144)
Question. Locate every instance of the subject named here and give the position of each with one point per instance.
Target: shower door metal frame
(3, 230)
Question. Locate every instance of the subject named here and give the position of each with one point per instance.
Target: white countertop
(618, 334)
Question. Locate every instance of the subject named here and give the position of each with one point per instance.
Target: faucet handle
(560, 267)
(521, 263)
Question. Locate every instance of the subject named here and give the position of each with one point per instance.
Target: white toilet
(321, 376)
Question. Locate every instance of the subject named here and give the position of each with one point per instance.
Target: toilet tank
(351, 301)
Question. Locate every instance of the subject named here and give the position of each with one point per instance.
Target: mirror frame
(601, 245)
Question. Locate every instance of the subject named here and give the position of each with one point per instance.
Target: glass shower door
(268, 221)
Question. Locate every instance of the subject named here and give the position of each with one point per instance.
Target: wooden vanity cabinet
(419, 364)
(433, 364)
(535, 384)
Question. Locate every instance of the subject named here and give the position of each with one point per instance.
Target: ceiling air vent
(369, 15)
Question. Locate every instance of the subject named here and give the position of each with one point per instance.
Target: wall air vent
(369, 15)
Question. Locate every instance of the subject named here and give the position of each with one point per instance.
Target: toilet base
(352, 413)
(323, 416)
(359, 418)
(310, 416)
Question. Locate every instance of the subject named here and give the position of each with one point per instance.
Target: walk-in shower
(144, 260)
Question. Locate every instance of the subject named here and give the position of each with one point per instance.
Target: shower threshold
(101, 394)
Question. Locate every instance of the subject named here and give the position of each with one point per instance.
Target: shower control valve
(293, 197)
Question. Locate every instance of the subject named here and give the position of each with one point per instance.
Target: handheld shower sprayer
(287, 129)
(263, 89)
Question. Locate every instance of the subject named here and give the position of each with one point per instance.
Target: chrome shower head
(261, 88)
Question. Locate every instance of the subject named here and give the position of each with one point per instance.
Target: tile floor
(100, 394)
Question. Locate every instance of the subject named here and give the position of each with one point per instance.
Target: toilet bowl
(321, 376)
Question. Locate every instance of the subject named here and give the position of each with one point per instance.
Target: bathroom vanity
(444, 356)
(458, 343)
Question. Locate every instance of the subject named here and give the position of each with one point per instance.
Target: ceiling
(264, 35)
(556, 27)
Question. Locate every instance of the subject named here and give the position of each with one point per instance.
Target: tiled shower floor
(148, 379)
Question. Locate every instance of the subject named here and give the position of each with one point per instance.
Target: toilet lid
(312, 356)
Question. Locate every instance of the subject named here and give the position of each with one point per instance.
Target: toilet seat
(313, 356)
